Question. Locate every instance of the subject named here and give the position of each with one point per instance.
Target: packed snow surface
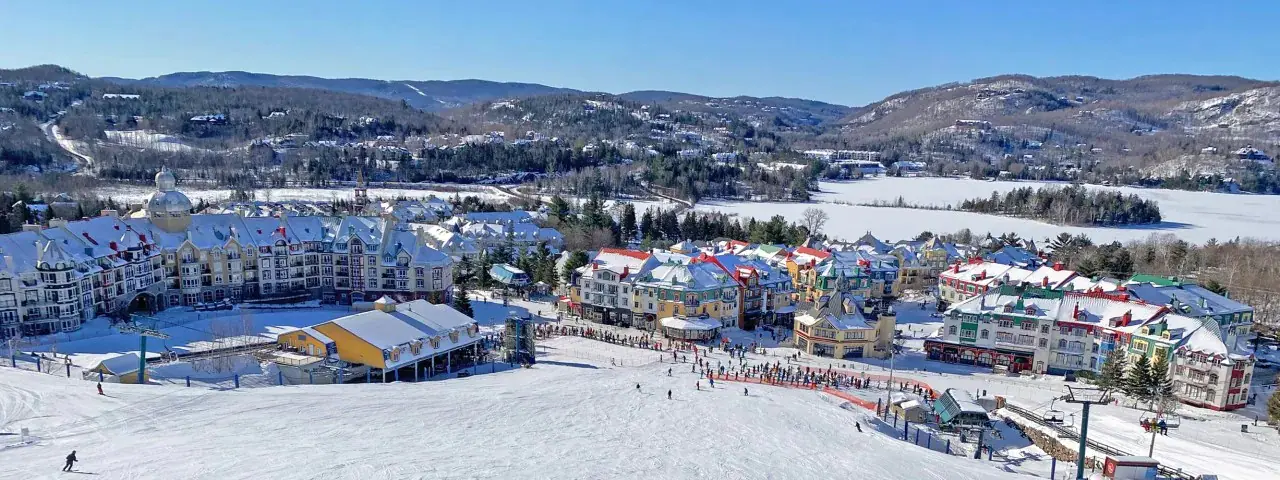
(1192, 216)
(564, 418)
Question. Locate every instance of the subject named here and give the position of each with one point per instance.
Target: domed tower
(168, 208)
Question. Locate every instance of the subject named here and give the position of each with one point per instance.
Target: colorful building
(698, 289)
(1045, 330)
(415, 338)
(604, 290)
(843, 326)
(765, 291)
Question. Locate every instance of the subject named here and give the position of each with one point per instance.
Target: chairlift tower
(519, 340)
(143, 332)
(1085, 396)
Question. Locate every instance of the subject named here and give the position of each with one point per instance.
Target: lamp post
(1085, 396)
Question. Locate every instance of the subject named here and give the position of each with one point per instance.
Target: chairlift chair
(1153, 418)
(1054, 416)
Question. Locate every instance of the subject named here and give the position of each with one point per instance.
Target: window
(985, 334)
(1004, 337)
(1044, 328)
(951, 330)
(1044, 343)
(1028, 325)
(1006, 323)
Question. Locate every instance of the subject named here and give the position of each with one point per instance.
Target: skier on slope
(100, 389)
(697, 385)
(858, 425)
(744, 391)
(637, 387)
(668, 394)
(71, 460)
(668, 372)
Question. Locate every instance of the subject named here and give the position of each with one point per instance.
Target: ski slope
(565, 418)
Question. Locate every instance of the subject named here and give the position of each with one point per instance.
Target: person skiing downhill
(744, 391)
(71, 460)
(697, 385)
(859, 425)
(668, 394)
(100, 389)
(668, 372)
(637, 387)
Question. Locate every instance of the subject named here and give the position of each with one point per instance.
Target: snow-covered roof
(120, 364)
(1187, 299)
(320, 337)
(410, 322)
(616, 260)
(986, 273)
(686, 323)
(688, 277)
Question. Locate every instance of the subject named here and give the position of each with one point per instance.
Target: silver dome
(166, 202)
(165, 181)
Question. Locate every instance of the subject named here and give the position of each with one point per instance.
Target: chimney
(955, 268)
(1122, 288)
(31, 227)
(1044, 282)
(1058, 266)
(110, 213)
(57, 222)
(1075, 314)
(113, 245)
(626, 270)
(1128, 317)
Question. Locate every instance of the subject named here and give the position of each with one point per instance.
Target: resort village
(380, 294)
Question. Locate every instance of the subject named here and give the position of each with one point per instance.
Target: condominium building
(165, 256)
(603, 291)
(1046, 330)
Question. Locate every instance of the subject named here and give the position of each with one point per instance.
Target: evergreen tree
(1273, 406)
(461, 302)
(1113, 370)
(647, 227)
(1137, 384)
(576, 260)
(689, 227)
(629, 228)
(465, 270)
(1159, 383)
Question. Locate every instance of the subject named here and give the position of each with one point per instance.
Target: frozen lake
(1192, 216)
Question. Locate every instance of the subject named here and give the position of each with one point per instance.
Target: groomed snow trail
(566, 418)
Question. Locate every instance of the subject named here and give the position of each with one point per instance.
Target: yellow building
(687, 290)
(412, 335)
(841, 326)
(124, 369)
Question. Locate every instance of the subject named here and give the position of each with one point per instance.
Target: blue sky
(844, 51)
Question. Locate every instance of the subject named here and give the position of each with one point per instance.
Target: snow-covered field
(565, 418)
(1192, 216)
(139, 193)
(149, 140)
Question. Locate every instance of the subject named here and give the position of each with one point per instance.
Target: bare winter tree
(814, 219)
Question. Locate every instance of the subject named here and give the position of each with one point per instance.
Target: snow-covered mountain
(431, 95)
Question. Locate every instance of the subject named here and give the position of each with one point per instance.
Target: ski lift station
(397, 340)
(957, 408)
